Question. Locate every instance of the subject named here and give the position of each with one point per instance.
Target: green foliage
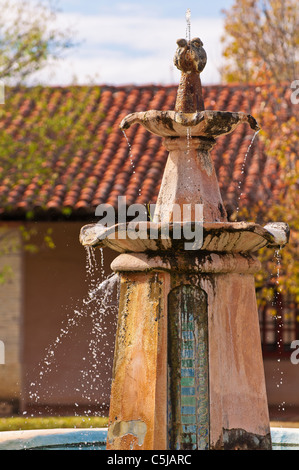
(261, 41)
(29, 38)
(13, 240)
(29, 423)
(31, 145)
(6, 274)
(280, 137)
(282, 143)
(261, 45)
(38, 149)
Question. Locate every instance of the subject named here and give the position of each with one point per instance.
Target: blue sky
(165, 8)
(131, 41)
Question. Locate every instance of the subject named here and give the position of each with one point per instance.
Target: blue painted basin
(54, 439)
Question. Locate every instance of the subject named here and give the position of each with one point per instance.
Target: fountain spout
(189, 133)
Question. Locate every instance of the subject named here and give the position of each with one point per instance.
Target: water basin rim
(185, 119)
(12, 440)
(17, 440)
(98, 235)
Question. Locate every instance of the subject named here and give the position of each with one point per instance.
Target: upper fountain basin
(208, 124)
(223, 237)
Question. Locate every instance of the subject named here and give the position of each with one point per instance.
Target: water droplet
(98, 305)
(188, 28)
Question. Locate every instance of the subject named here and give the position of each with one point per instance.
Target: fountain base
(188, 370)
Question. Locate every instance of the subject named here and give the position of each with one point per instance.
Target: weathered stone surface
(190, 58)
(232, 237)
(206, 263)
(137, 418)
(238, 397)
(208, 124)
(189, 179)
(239, 439)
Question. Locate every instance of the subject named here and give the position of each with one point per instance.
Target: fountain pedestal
(188, 370)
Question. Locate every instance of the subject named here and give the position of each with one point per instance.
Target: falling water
(99, 305)
(279, 317)
(188, 39)
(188, 28)
(130, 150)
(277, 255)
(91, 266)
(131, 158)
(277, 301)
(189, 137)
(189, 140)
(277, 304)
(243, 171)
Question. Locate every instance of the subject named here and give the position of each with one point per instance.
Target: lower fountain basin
(95, 439)
(223, 237)
(54, 439)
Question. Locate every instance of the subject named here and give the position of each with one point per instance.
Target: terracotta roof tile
(88, 157)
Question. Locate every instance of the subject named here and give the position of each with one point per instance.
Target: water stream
(189, 138)
(131, 159)
(130, 151)
(277, 303)
(241, 181)
(188, 27)
(99, 305)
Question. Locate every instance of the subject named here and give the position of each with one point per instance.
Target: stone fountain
(188, 368)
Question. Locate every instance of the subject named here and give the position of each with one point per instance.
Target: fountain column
(137, 417)
(189, 180)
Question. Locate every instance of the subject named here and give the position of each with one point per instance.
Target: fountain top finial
(191, 59)
(190, 56)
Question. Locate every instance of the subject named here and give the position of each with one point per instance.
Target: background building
(65, 155)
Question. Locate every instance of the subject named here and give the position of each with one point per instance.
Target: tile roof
(90, 161)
